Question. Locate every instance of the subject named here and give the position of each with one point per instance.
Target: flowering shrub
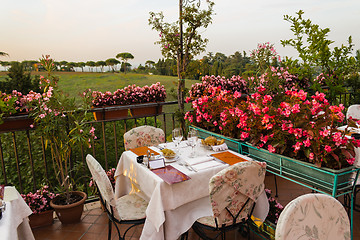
(131, 94)
(299, 127)
(275, 208)
(263, 55)
(61, 125)
(277, 80)
(110, 173)
(235, 84)
(40, 200)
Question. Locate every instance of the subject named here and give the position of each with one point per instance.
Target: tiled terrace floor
(94, 220)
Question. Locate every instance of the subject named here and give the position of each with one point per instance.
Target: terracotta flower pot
(70, 213)
(41, 219)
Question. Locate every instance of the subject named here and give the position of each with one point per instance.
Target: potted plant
(148, 94)
(39, 203)
(63, 129)
(129, 95)
(14, 109)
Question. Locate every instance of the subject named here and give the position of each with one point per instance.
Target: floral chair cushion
(131, 207)
(128, 207)
(313, 216)
(231, 187)
(354, 112)
(143, 136)
(101, 180)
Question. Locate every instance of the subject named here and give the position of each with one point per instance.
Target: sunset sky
(83, 30)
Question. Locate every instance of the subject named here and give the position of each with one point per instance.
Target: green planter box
(326, 179)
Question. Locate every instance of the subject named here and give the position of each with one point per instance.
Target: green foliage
(19, 80)
(316, 56)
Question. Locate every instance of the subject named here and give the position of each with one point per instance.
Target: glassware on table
(177, 136)
(192, 141)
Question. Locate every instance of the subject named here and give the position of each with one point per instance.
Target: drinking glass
(192, 140)
(177, 136)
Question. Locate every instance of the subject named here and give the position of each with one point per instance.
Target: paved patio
(94, 220)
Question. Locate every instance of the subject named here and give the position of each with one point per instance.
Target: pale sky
(84, 30)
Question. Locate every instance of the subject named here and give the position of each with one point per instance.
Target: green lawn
(74, 83)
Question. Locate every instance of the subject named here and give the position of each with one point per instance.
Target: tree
(81, 65)
(18, 79)
(318, 59)
(149, 64)
(125, 56)
(3, 54)
(112, 62)
(101, 64)
(179, 45)
(91, 64)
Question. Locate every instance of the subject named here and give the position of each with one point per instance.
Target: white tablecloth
(172, 208)
(15, 222)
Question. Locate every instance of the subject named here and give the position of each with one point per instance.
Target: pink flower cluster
(131, 94)
(299, 126)
(40, 200)
(275, 208)
(23, 103)
(235, 84)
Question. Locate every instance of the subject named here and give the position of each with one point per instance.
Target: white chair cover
(313, 216)
(101, 180)
(143, 136)
(231, 187)
(354, 112)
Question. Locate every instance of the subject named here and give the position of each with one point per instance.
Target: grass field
(74, 83)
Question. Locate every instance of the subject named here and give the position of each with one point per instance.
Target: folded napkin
(193, 161)
(219, 148)
(205, 165)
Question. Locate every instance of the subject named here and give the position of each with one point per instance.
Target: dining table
(173, 207)
(15, 222)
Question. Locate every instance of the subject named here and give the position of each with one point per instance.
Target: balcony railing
(26, 163)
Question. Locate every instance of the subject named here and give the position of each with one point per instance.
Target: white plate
(170, 160)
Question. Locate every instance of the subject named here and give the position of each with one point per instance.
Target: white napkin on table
(204, 165)
(219, 148)
(197, 160)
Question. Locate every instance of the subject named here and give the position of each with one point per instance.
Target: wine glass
(177, 136)
(192, 140)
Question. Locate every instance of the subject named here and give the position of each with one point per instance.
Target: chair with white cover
(143, 136)
(233, 193)
(313, 216)
(353, 112)
(129, 209)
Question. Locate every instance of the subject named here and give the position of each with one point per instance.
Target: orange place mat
(170, 174)
(143, 151)
(228, 157)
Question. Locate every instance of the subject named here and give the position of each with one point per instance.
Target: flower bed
(296, 125)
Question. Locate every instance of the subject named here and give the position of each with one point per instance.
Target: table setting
(178, 189)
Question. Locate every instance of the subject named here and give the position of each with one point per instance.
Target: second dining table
(173, 208)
